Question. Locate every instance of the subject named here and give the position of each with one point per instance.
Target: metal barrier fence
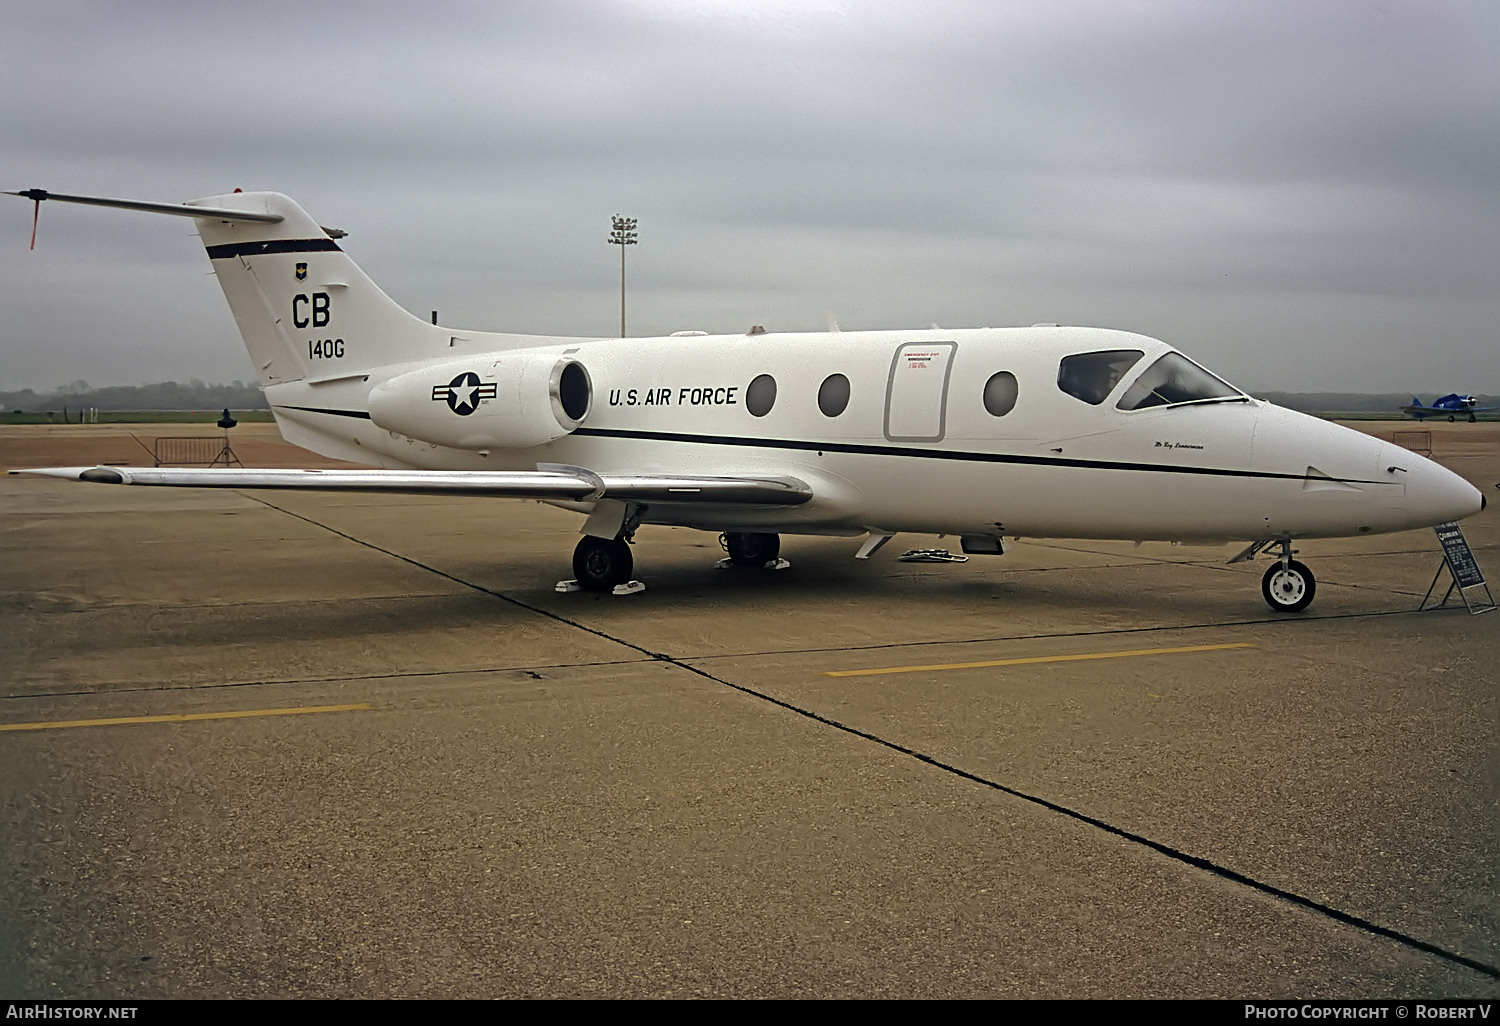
(195, 450)
(1419, 442)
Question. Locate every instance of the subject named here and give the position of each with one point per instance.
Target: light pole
(622, 234)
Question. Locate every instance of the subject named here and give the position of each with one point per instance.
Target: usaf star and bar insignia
(464, 393)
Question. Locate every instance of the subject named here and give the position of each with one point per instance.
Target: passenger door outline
(916, 392)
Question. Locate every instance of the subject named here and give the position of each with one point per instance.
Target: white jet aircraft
(1037, 432)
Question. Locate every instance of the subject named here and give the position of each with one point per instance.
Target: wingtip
(101, 475)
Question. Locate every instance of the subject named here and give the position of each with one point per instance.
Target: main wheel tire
(600, 564)
(752, 549)
(1288, 587)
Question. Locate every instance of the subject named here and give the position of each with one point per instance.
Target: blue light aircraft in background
(1451, 405)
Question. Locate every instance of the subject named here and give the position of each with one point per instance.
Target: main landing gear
(605, 564)
(602, 564)
(752, 550)
(1288, 585)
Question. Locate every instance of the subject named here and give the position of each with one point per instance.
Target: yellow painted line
(186, 717)
(1038, 659)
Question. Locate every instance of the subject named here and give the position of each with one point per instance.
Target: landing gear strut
(1288, 585)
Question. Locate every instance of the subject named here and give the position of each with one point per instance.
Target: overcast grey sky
(1301, 194)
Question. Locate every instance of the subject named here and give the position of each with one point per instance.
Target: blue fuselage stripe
(957, 455)
(234, 249)
(356, 414)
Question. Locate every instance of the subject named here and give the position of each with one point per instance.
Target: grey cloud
(1292, 192)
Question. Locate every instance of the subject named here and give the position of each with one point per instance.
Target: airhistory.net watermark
(46, 1010)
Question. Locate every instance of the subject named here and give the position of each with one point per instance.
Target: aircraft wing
(552, 482)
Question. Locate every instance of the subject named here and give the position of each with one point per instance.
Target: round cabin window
(761, 395)
(833, 395)
(1000, 393)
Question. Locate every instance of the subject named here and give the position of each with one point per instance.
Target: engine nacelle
(508, 400)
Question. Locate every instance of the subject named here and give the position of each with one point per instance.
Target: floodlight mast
(622, 234)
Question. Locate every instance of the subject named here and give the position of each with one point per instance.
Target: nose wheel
(1288, 586)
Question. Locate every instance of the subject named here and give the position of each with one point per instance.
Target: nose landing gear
(1288, 585)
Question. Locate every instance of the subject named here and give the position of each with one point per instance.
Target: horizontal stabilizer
(574, 485)
(176, 209)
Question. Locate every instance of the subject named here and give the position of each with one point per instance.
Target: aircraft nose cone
(1436, 493)
(1468, 507)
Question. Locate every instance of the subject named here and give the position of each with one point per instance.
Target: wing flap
(572, 485)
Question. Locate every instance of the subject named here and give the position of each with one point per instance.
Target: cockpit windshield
(1175, 379)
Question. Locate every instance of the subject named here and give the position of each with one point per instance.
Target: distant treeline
(167, 395)
(1352, 402)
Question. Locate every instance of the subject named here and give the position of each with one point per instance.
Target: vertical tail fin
(305, 310)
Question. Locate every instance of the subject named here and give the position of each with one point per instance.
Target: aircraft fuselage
(913, 447)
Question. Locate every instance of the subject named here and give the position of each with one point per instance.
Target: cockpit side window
(1092, 376)
(1175, 379)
